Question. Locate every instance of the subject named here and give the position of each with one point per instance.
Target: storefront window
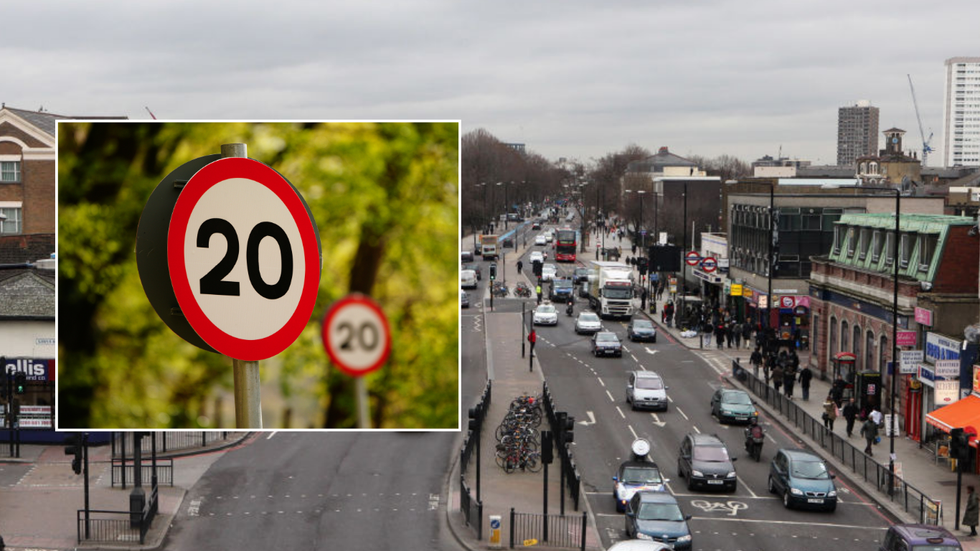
(843, 337)
(869, 350)
(833, 338)
(857, 348)
(881, 354)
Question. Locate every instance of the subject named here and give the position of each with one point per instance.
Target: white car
(548, 272)
(588, 322)
(546, 314)
(645, 389)
(467, 279)
(536, 256)
(549, 237)
(540, 240)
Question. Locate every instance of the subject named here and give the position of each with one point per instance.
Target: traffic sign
(692, 258)
(356, 335)
(709, 264)
(244, 258)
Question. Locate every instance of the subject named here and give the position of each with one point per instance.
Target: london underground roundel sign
(244, 259)
(356, 335)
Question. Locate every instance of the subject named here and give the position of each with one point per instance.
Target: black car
(581, 275)
(561, 290)
(475, 268)
(703, 459)
(606, 343)
(466, 256)
(536, 225)
(640, 330)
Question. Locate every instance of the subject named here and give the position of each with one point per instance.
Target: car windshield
(649, 383)
(606, 337)
(739, 398)
(641, 475)
(710, 453)
(588, 317)
(642, 324)
(550, 268)
(810, 469)
(546, 309)
(617, 292)
(581, 271)
(563, 283)
(660, 511)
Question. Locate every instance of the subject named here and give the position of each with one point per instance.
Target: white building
(961, 112)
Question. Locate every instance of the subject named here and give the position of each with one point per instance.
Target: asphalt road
(593, 391)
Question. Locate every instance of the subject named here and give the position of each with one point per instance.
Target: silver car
(588, 322)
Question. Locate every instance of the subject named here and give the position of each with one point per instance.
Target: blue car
(657, 516)
(803, 480)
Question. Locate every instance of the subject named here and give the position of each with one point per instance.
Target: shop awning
(962, 413)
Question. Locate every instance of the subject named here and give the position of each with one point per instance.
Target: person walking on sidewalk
(850, 412)
(829, 413)
(837, 389)
(520, 265)
(777, 377)
(737, 333)
(755, 359)
(869, 430)
(720, 335)
(806, 375)
(971, 516)
(532, 338)
(747, 334)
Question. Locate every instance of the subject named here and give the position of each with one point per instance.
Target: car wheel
(786, 502)
(772, 486)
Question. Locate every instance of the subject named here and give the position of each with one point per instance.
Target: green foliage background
(384, 196)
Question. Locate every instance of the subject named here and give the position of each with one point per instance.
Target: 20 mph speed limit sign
(244, 258)
(356, 335)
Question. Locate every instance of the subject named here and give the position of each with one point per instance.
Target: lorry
(488, 247)
(611, 290)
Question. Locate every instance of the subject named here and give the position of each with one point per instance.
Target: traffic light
(20, 382)
(641, 264)
(73, 446)
(493, 271)
(5, 386)
(566, 427)
(474, 419)
(958, 444)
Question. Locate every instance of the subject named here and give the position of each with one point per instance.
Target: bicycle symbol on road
(730, 507)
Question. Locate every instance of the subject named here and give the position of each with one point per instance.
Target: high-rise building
(857, 132)
(961, 112)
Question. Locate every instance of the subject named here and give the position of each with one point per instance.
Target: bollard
(495, 542)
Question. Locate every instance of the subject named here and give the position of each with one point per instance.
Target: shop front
(34, 411)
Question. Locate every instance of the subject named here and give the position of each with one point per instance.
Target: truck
(611, 290)
(488, 247)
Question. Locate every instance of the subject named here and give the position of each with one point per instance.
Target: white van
(467, 279)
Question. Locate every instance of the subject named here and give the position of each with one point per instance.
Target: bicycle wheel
(533, 463)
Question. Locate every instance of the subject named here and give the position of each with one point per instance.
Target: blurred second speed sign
(356, 335)
(244, 258)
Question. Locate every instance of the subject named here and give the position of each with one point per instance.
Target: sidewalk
(39, 511)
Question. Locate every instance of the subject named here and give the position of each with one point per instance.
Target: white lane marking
(657, 421)
(600, 381)
(620, 412)
(789, 522)
(635, 359)
(194, 509)
(679, 410)
(611, 399)
(433, 502)
(746, 486)
(650, 351)
(696, 429)
(271, 434)
(633, 431)
(591, 420)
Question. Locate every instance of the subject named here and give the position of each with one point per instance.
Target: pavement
(37, 512)
(522, 491)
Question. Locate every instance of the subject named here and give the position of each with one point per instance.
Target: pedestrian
(837, 389)
(850, 414)
(755, 359)
(777, 377)
(806, 375)
(737, 330)
(972, 513)
(829, 413)
(869, 430)
(729, 329)
(520, 265)
(720, 335)
(789, 378)
(643, 298)
(875, 415)
(538, 289)
(747, 334)
(532, 338)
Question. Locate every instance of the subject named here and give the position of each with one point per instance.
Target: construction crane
(926, 149)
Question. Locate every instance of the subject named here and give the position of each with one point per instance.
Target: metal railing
(165, 471)
(117, 526)
(166, 441)
(470, 506)
(533, 529)
(572, 479)
(911, 499)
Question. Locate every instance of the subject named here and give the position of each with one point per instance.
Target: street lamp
(891, 406)
(506, 205)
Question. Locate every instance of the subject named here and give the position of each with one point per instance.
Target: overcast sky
(571, 78)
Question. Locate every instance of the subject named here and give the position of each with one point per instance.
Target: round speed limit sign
(244, 258)
(356, 335)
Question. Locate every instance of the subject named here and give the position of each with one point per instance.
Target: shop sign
(923, 316)
(939, 347)
(976, 378)
(906, 338)
(910, 359)
(787, 302)
(948, 369)
(736, 290)
(35, 370)
(763, 301)
(747, 293)
(947, 392)
(926, 375)
(800, 311)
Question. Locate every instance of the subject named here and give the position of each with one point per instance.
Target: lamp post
(683, 264)
(506, 205)
(771, 264)
(891, 406)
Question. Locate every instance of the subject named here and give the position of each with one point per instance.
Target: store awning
(962, 413)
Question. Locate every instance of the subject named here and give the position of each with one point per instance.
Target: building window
(863, 243)
(869, 345)
(927, 247)
(833, 337)
(906, 252)
(10, 172)
(851, 242)
(889, 248)
(12, 225)
(881, 354)
(857, 348)
(843, 337)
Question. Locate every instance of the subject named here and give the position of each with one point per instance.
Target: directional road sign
(692, 258)
(244, 258)
(709, 264)
(356, 335)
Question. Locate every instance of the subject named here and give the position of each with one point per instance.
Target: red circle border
(363, 300)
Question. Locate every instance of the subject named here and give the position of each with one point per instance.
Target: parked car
(540, 240)
(581, 275)
(803, 480)
(464, 299)
(467, 279)
(730, 405)
(636, 476)
(548, 272)
(476, 268)
(466, 256)
(588, 322)
(561, 289)
(646, 389)
(704, 461)
(927, 537)
(606, 343)
(641, 330)
(657, 516)
(545, 314)
(536, 225)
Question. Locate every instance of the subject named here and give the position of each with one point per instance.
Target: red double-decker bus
(565, 245)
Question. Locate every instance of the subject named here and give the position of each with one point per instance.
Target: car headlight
(795, 492)
(697, 473)
(731, 475)
(832, 493)
(642, 536)
(684, 539)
